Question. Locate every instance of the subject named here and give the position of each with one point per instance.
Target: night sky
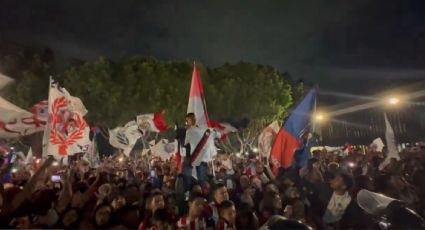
(347, 46)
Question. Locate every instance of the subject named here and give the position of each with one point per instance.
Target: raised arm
(28, 187)
(66, 193)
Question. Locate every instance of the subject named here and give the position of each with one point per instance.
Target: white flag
(67, 132)
(266, 139)
(391, 146)
(164, 149)
(125, 137)
(16, 122)
(377, 145)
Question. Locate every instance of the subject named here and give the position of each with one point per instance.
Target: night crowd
(239, 192)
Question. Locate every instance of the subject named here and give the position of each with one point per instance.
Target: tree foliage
(31, 70)
(114, 92)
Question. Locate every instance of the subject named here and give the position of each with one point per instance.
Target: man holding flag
(294, 133)
(199, 135)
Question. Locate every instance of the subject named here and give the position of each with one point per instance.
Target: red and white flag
(200, 137)
(16, 122)
(223, 128)
(266, 139)
(152, 122)
(66, 132)
(197, 101)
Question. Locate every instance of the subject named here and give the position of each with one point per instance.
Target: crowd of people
(244, 194)
(240, 191)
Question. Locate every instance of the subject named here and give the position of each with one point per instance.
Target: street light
(393, 100)
(319, 117)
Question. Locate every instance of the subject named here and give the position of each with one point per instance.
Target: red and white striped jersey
(185, 223)
(211, 211)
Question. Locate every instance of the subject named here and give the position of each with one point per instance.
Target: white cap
(371, 202)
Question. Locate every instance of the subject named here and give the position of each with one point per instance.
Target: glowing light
(55, 163)
(319, 117)
(120, 159)
(14, 170)
(393, 100)
(351, 164)
(255, 150)
(238, 155)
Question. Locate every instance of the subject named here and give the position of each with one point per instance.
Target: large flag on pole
(67, 132)
(391, 145)
(197, 101)
(293, 132)
(200, 137)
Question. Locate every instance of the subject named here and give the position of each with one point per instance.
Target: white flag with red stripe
(16, 122)
(197, 101)
(153, 122)
(66, 132)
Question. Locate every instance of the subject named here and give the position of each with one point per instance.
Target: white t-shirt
(194, 136)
